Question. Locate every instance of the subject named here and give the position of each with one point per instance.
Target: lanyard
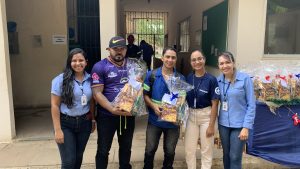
(196, 89)
(80, 86)
(225, 93)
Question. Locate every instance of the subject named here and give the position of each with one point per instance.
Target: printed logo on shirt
(124, 80)
(203, 91)
(217, 90)
(112, 74)
(116, 90)
(95, 78)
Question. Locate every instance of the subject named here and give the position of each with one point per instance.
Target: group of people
(75, 92)
(144, 51)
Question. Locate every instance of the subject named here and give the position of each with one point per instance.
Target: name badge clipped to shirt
(83, 100)
(225, 106)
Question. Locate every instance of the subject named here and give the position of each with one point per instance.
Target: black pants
(106, 127)
(153, 135)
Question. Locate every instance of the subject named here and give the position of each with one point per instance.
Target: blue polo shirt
(205, 90)
(156, 91)
(77, 109)
(240, 99)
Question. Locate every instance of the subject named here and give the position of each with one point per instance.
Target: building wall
(181, 11)
(7, 121)
(247, 34)
(108, 23)
(35, 66)
(192, 9)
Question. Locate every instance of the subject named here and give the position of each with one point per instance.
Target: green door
(214, 28)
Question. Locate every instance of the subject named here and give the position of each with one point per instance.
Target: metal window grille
(184, 29)
(148, 26)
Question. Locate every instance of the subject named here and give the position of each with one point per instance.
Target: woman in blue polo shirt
(72, 109)
(237, 110)
(203, 103)
(154, 89)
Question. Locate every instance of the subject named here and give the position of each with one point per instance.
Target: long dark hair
(68, 78)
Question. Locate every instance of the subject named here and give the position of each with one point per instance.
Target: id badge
(195, 102)
(225, 106)
(83, 100)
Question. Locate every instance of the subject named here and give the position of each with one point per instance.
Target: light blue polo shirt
(77, 109)
(156, 91)
(241, 102)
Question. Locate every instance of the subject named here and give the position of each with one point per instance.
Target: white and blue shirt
(205, 90)
(240, 99)
(80, 88)
(156, 91)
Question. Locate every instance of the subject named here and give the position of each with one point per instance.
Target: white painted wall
(247, 30)
(34, 67)
(247, 20)
(7, 121)
(194, 10)
(185, 9)
(108, 23)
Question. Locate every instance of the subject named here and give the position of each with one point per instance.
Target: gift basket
(275, 84)
(174, 107)
(130, 98)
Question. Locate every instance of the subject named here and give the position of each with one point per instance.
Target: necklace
(123, 79)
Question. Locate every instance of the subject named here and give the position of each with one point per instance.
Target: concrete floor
(34, 147)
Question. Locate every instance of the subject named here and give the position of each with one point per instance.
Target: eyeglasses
(199, 59)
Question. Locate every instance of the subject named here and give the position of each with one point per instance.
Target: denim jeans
(106, 127)
(76, 134)
(153, 134)
(232, 147)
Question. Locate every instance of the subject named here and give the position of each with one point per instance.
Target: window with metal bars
(184, 36)
(148, 26)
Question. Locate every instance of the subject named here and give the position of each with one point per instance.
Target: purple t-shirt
(112, 76)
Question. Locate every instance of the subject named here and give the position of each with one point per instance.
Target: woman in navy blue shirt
(72, 109)
(203, 103)
(237, 110)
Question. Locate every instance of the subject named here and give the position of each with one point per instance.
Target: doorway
(84, 28)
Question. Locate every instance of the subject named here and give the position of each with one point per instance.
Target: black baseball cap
(117, 41)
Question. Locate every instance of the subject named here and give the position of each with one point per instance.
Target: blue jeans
(106, 127)
(76, 134)
(153, 134)
(232, 147)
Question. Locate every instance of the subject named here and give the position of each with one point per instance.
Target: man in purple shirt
(108, 78)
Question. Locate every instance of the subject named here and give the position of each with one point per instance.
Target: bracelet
(93, 121)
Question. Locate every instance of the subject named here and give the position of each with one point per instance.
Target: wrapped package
(274, 83)
(268, 91)
(284, 92)
(130, 98)
(139, 107)
(174, 104)
(295, 88)
(126, 98)
(169, 112)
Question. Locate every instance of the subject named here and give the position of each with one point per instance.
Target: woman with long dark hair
(72, 109)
